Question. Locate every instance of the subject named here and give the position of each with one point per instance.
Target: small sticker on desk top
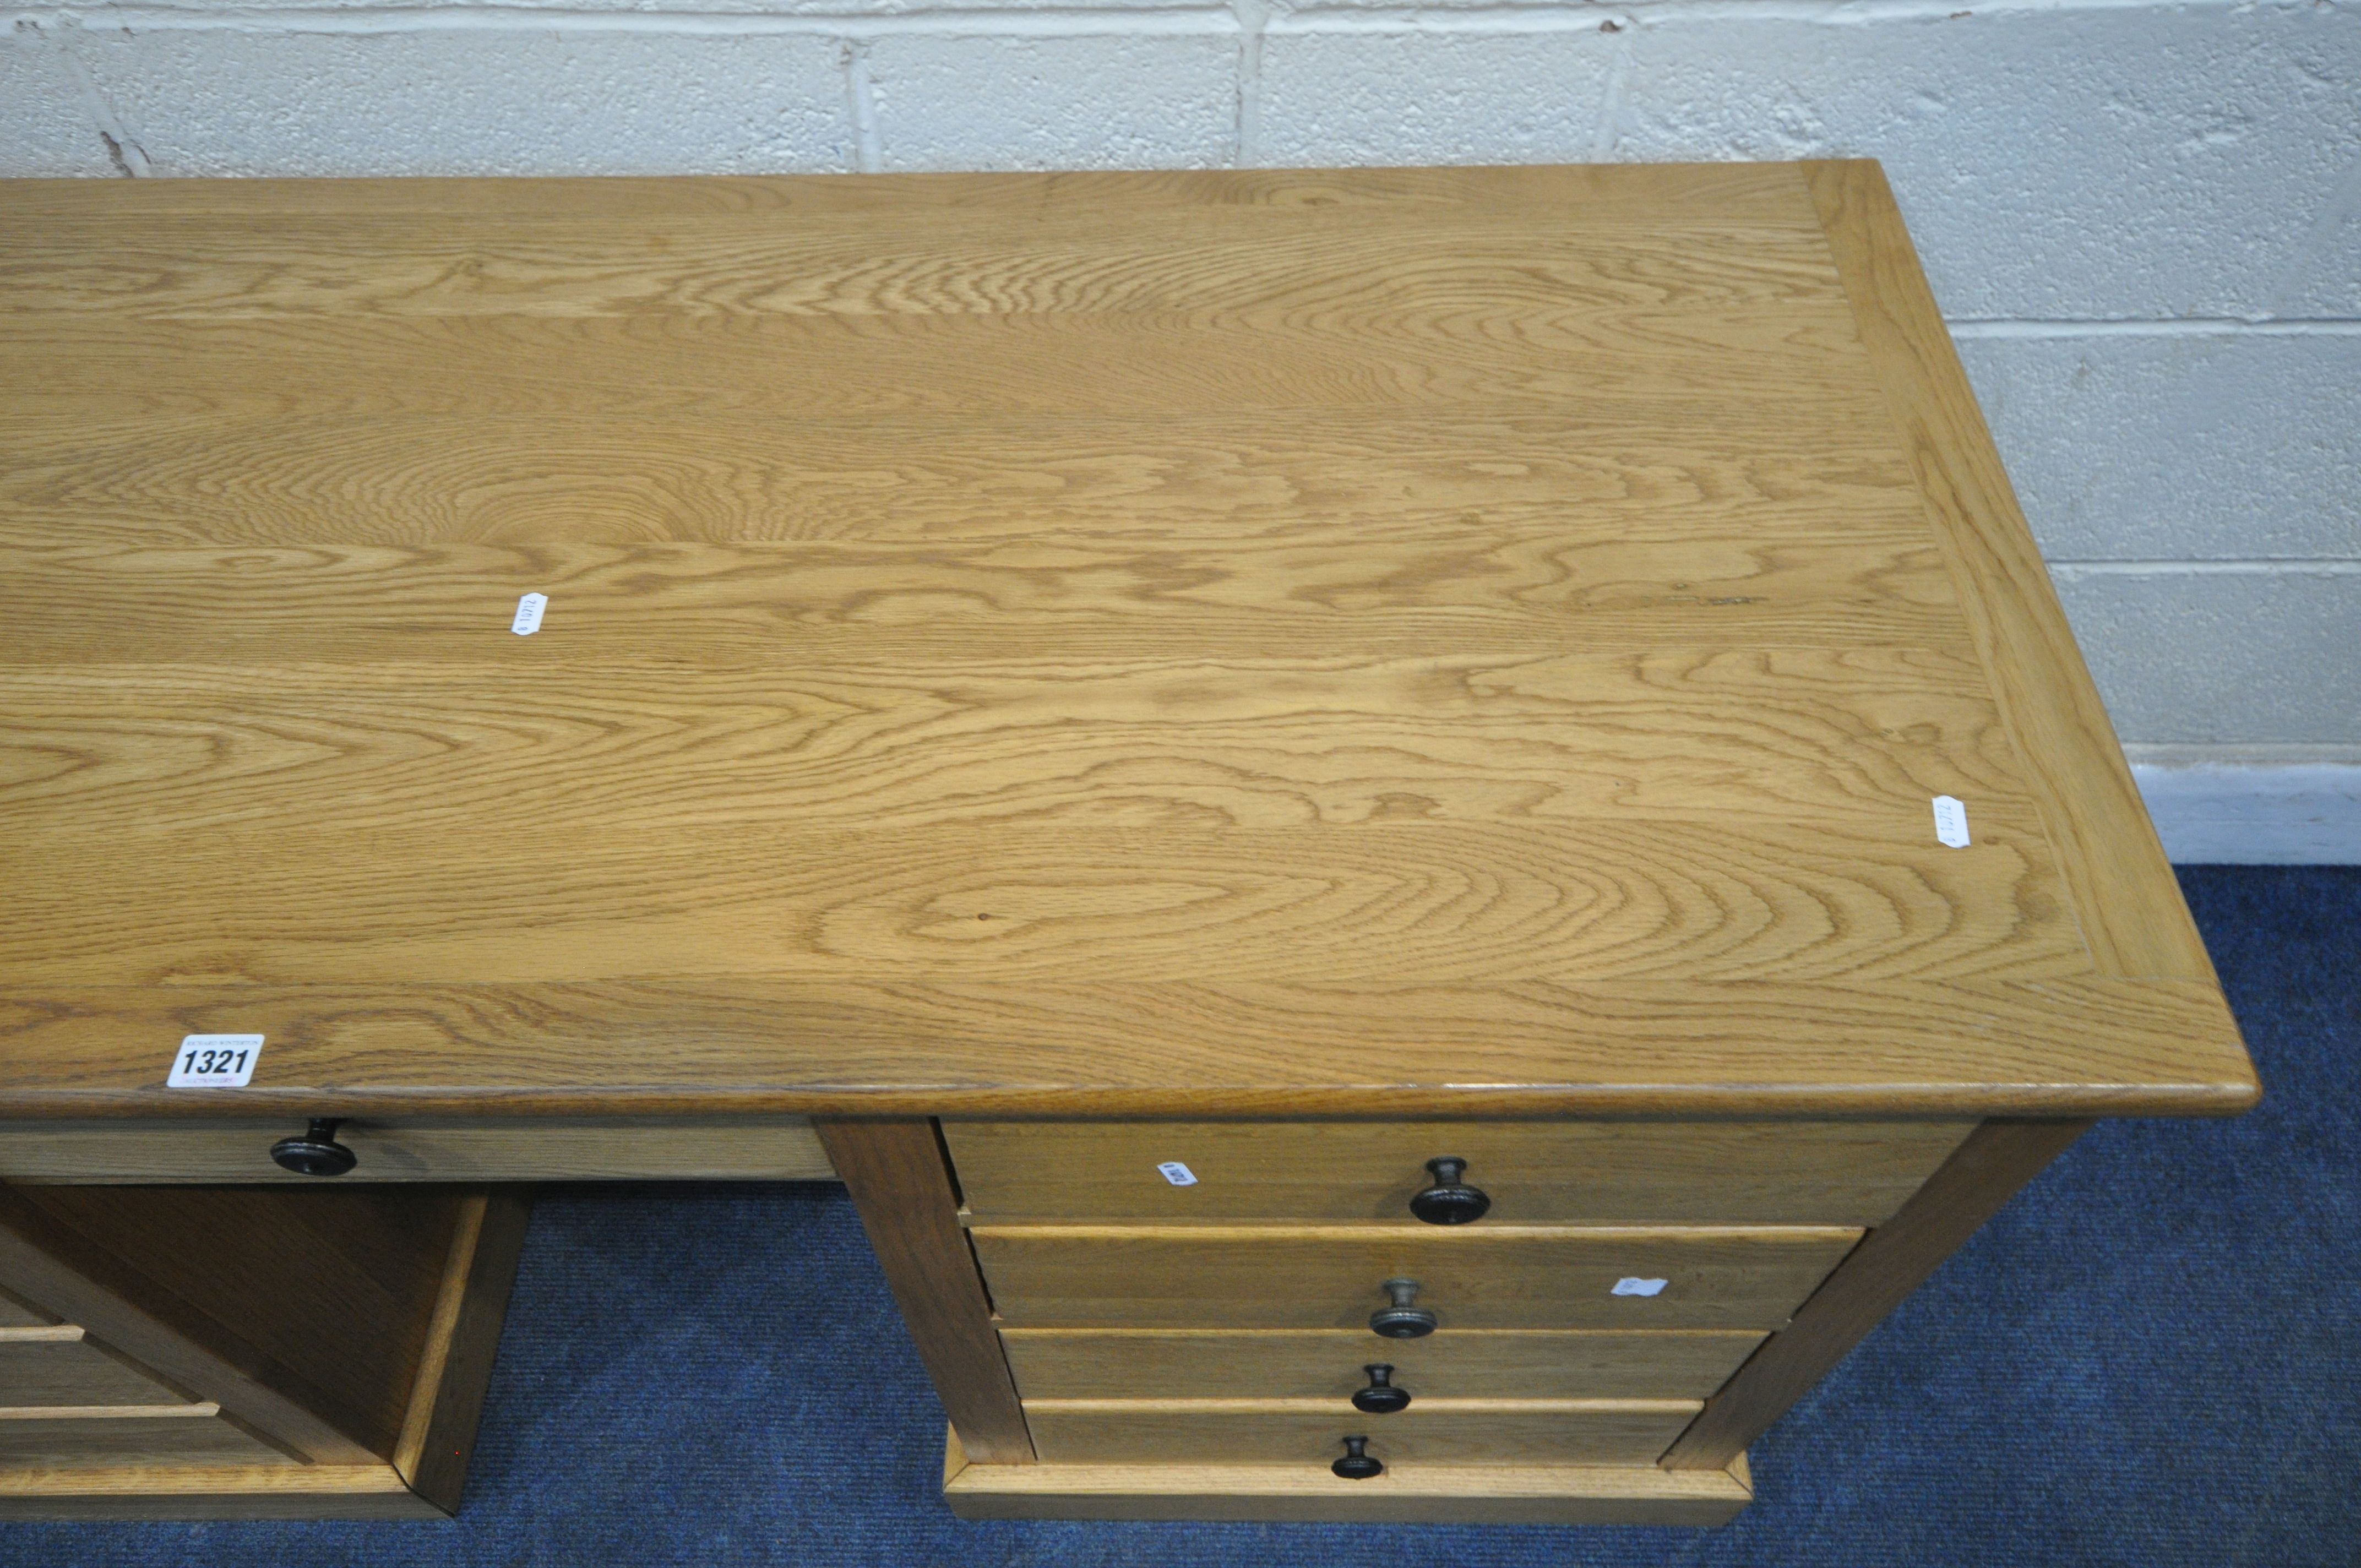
(214, 1061)
(528, 615)
(1179, 1175)
(1951, 821)
(1629, 1286)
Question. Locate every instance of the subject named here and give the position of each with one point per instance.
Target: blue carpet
(2149, 1358)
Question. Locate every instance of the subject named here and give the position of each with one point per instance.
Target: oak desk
(1416, 837)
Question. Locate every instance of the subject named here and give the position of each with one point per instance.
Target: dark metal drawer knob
(1381, 1397)
(1402, 1321)
(1450, 1202)
(1356, 1465)
(316, 1153)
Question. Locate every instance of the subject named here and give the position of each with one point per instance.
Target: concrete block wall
(2143, 219)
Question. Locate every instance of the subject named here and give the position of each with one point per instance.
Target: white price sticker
(1628, 1286)
(528, 615)
(1951, 821)
(214, 1061)
(1179, 1175)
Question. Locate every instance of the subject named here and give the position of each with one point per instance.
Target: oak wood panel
(1148, 552)
(62, 1365)
(176, 1433)
(1422, 1494)
(218, 1491)
(51, 1265)
(1075, 1048)
(1594, 1173)
(1311, 1434)
(931, 612)
(1672, 736)
(1330, 1276)
(1329, 1363)
(2123, 886)
(2000, 1156)
(899, 1181)
(1313, 269)
(454, 1370)
(944, 364)
(1410, 902)
(325, 1297)
(1086, 426)
(770, 1149)
(90, 477)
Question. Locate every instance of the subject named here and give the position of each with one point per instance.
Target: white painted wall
(2143, 219)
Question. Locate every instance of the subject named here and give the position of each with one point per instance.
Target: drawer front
(1595, 1173)
(1327, 1363)
(1277, 1432)
(57, 1366)
(770, 1149)
(1330, 1276)
(167, 1434)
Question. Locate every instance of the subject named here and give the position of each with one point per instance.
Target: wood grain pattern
(48, 1263)
(829, 612)
(339, 1326)
(1328, 1364)
(1311, 1434)
(1330, 1276)
(943, 366)
(1319, 270)
(266, 1491)
(62, 1365)
(1666, 1047)
(455, 1369)
(898, 1179)
(1583, 1173)
(1413, 1492)
(327, 1295)
(764, 1148)
(292, 1313)
(228, 471)
(1673, 736)
(1339, 643)
(109, 1435)
(1406, 904)
(2095, 816)
(2000, 1156)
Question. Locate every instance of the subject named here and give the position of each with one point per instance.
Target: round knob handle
(1381, 1397)
(316, 1153)
(1450, 1202)
(1356, 1465)
(1402, 1321)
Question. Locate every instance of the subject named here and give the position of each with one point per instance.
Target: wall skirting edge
(2209, 810)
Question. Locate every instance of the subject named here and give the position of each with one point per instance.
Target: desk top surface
(1481, 640)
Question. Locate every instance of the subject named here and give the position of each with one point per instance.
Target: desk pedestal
(243, 1353)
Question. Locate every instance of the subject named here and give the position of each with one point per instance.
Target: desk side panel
(900, 1179)
(309, 1315)
(1893, 1260)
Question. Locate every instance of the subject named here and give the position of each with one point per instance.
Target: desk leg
(901, 1182)
(454, 1371)
(1983, 1173)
